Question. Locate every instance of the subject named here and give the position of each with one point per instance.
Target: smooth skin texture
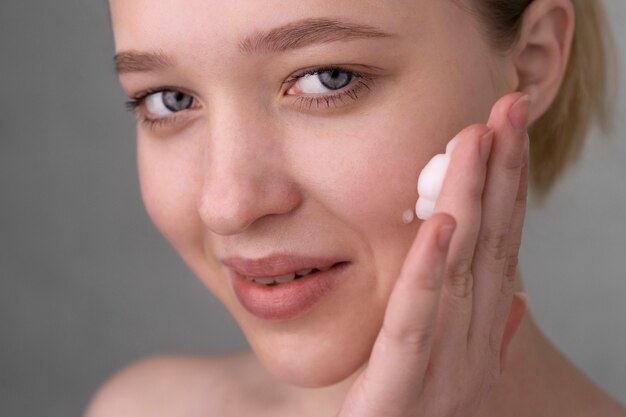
(247, 171)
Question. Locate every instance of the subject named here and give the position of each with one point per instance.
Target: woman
(279, 144)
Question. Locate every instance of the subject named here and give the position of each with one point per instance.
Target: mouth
(273, 289)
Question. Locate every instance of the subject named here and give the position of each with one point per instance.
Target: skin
(247, 172)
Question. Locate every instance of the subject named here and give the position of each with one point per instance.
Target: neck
(539, 381)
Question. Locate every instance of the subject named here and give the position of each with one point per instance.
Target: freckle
(407, 217)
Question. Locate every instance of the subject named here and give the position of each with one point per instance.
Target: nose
(245, 175)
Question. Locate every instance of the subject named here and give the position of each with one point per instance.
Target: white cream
(408, 217)
(430, 181)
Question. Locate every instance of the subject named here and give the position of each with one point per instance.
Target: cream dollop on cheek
(408, 216)
(431, 180)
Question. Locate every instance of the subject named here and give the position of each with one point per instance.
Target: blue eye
(327, 86)
(163, 103)
(324, 81)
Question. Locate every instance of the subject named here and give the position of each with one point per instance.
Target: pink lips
(287, 300)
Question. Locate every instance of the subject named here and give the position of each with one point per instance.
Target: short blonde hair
(586, 94)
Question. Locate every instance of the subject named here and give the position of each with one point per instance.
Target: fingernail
(444, 236)
(518, 114)
(451, 145)
(486, 142)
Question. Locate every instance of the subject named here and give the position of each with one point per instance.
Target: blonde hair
(586, 94)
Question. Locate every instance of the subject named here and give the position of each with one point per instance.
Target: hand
(449, 318)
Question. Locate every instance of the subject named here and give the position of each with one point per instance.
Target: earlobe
(542, 51)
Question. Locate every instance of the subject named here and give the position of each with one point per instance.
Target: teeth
(273, 280)
(264, 281)
(285, 278)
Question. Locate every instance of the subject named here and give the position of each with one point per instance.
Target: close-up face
(277, 136)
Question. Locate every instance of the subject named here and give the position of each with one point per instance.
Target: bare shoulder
(180, 385)
(607, 407)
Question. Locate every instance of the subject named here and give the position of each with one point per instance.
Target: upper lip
(277, 265)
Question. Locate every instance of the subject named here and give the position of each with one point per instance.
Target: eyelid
(368, 72)
(138, 99)
(318, 70)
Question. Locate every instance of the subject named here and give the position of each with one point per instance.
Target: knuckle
(416, 340)
(431, 282)
(459, 278)
(494, 240)
(512, 161)
(474, 195)
(510, 274)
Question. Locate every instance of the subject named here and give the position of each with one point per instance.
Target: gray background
(87, 285)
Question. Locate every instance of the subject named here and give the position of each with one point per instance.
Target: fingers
(502, 219)
(461, 196)
(517, 224)
(498, 332)
(402, 350)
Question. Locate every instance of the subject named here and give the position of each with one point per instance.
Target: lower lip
(289, 300)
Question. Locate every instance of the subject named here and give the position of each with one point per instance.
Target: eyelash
(358, 82)
(351, 91)
(138, 101)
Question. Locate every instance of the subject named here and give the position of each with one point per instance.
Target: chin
(316, 371)
(313, 360)
(322, 347)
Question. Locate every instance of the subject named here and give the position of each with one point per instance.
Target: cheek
(169, 189)
(364, 174)
(170, 186)
(365, 168)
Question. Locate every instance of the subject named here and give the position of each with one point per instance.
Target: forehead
(222, 25)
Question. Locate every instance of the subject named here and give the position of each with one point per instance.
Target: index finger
(402, 350)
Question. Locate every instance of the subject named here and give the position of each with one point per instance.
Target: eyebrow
(308, 32)
(134, 61)
(294, 35)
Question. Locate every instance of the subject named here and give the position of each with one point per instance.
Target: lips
(283, 287)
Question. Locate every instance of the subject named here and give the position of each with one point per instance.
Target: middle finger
(508, 119)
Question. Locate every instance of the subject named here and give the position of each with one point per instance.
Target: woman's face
(250, 168)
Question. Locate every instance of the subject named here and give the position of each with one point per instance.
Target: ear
(542, 52)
